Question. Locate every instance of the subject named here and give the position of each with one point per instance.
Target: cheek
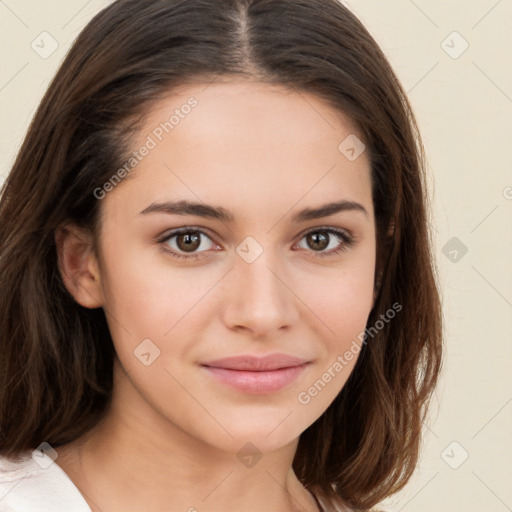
(134, 300)
(142, 291)
(345, 309)
(341, 298)
(342, 306)
(148, 298)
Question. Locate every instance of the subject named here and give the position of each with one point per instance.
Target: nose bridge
(261, 301)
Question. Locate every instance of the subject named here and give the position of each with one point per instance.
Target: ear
(78, 265)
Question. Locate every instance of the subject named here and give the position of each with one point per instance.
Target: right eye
(186, 242)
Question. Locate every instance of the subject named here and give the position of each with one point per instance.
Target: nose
(259, 298)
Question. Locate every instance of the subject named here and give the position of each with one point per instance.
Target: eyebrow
(185, 207)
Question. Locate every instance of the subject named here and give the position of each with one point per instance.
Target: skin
(171, 436)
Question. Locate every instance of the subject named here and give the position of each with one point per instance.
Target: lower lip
(258, 383)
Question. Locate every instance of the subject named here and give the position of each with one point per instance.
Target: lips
(257, 364)
(256, 375)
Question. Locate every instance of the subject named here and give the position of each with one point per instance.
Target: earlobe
(78, 265)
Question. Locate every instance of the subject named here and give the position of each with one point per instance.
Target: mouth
(257, 375)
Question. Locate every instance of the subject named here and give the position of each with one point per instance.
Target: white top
(37, 485)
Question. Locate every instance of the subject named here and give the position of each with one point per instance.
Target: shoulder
(30, 484)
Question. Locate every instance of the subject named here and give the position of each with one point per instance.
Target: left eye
(328, 238)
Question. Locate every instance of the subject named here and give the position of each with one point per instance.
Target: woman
(218, 288)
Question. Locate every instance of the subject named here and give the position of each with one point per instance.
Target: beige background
(464, 107)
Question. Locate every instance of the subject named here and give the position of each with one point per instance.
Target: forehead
(248, 144)
(255, 112)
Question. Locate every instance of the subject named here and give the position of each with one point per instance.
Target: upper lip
(255, 363)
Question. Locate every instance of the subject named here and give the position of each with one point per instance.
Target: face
(235, 318)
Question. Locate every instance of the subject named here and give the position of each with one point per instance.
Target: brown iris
(319, 239)
(188, 242)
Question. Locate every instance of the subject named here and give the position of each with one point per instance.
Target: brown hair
(56, 356)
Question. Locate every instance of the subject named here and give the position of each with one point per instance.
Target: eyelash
(347, 239)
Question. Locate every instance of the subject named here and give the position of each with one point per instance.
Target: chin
(264, 429)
